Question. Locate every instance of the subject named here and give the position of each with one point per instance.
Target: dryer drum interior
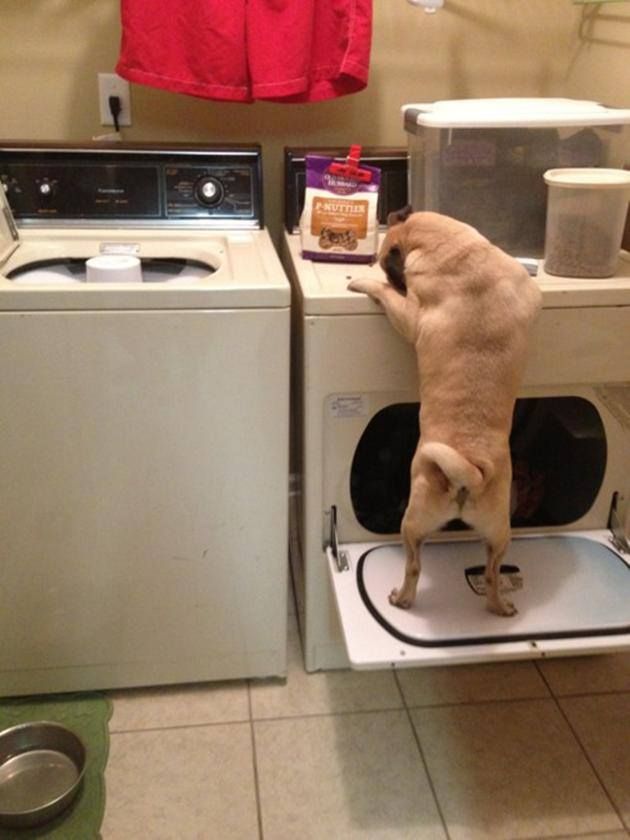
(568, 585)
(558, 447)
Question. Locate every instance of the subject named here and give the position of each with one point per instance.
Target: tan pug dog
(466, 307)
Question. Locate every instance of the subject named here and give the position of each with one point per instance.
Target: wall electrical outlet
(109, 84)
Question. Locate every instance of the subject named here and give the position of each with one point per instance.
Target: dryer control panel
(217, 187)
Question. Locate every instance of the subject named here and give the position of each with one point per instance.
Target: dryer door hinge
(341, 557)
(619, 537)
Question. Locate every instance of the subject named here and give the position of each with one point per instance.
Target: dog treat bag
(339, 222)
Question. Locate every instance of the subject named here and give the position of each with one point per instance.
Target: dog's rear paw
(505, 608)
(396, 599)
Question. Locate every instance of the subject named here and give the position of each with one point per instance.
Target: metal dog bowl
(41, 770)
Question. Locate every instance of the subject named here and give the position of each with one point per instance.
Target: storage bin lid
(510, 113)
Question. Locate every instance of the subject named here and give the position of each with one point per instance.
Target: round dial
(209, 191)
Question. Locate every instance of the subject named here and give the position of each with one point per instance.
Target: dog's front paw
(398, 599)
(357, 285)
(365, 285)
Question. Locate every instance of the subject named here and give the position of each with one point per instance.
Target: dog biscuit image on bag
(339, 221)
(330, 238)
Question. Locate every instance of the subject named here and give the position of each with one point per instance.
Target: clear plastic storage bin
(483, 160)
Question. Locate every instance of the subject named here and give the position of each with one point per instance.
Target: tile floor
(493, 751)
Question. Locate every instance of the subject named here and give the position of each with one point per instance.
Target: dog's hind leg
(496, 546)
(406, 595)
(421, 517)
(490, 516)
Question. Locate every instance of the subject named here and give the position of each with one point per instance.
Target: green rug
(87, 715)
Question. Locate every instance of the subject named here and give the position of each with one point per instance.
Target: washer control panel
(214, 187)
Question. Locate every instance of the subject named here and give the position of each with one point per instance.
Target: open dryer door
(572, 591)
(567, 569)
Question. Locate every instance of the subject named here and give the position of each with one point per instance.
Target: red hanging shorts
(242, 50)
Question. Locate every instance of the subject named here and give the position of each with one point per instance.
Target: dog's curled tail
(459, 471)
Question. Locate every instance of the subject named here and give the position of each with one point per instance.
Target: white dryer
(144, 424)
(356, 427)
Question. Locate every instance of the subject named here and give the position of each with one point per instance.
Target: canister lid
(588, 177)
(511, 113)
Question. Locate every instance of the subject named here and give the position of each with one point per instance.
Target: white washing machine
(143, 444)
(355, 406)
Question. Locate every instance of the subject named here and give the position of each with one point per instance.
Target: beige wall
(53, 50)
(599, 64)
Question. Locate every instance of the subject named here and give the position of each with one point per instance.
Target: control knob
(209, 191)
(45, 189)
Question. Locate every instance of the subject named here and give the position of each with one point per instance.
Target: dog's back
(475, 305)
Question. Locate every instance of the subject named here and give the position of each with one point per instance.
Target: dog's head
(425, 232)
(391, 257)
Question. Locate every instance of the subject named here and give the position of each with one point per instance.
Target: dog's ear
(397, 217)
(393, 264)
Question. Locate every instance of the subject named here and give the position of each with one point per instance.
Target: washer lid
(9, 236)
(173, 270)
(572, 591)
(231, 270)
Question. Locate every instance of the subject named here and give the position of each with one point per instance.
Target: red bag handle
(350, 169)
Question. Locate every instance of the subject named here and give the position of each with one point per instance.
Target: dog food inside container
(482, 160)
(586, 216)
